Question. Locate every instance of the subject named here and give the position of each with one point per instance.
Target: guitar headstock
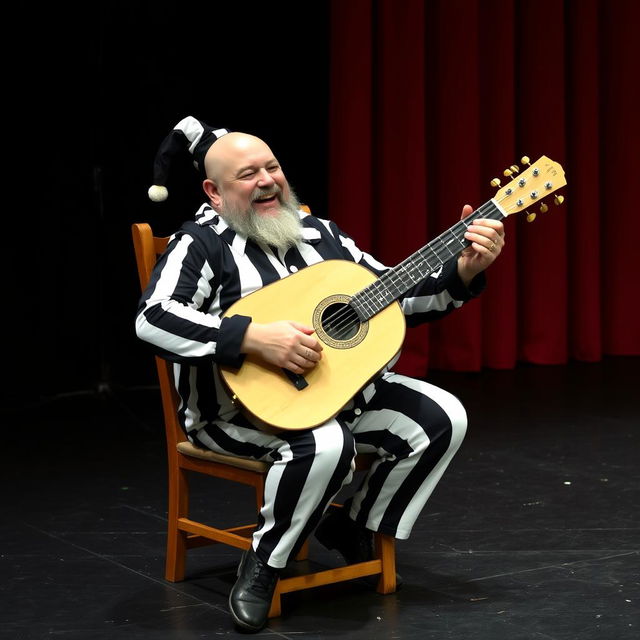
(539, 180)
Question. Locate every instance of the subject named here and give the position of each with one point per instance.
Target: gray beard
(282, 231)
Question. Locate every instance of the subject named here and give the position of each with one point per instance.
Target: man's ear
(211, 189)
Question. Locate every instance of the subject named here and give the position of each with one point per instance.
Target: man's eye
(246, 175)
(273, 167)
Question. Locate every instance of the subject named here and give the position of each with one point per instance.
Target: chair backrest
(147, 248)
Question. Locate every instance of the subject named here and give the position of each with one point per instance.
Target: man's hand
(487, 240)
(285, 344)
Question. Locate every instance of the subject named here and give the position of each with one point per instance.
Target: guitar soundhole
(337, 324)
(340, 321)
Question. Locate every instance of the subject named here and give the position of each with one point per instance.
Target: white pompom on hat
(190, 134)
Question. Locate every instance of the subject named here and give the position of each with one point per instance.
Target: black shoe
(352, 541)
(338, 531)
(250, 598)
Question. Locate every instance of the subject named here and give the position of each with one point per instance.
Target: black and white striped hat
(190, 134)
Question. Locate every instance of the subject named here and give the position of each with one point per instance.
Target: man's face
(251, 178)
(248, 188)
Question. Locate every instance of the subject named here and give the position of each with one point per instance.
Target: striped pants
(414, 427)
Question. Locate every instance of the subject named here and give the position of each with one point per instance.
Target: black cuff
(457, 288)
(230, 336)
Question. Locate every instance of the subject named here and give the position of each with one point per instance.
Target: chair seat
(363, 460)
(188, 449)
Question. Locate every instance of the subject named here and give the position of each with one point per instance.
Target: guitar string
(376, 294)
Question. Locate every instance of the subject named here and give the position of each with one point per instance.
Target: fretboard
(419, 265)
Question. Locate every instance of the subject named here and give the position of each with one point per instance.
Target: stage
(533, 532)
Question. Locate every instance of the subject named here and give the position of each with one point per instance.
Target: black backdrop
(103, 86)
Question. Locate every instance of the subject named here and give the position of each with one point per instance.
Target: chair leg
(386, 551)
(276, 603)
(303, 554)
(259, 487)
(176, 539)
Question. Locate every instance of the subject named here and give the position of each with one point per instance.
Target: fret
(407, 274)
(358, 308)
(461, 240)
(437, 257)
(390, 275)
(415, 268)
(370, 309)
(446, 246)
(380, 294)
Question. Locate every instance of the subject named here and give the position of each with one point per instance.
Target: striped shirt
(207, 267)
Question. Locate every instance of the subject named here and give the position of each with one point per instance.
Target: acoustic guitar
(356, 314)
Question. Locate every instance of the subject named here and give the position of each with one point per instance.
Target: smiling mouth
(267, 199)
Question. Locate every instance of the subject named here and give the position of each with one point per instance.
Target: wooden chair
(184, 533)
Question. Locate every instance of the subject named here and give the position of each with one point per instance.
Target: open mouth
(269, 199)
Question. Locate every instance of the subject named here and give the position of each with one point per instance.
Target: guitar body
(348, 363)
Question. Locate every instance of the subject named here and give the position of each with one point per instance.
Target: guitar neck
(419, 265)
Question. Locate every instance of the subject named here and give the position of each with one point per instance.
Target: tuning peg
(544, 208)
(515, 168)
(507, 173)
(531, 217)
(525, 160)
(559, 200)
(495, 182)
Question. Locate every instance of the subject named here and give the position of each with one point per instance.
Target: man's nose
(265, 179)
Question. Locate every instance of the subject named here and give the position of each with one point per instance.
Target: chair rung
(232, 536)
(194, 541)
(329, 576)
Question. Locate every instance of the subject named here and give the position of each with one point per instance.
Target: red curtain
(431, 99)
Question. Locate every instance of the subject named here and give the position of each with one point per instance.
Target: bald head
(232, 152)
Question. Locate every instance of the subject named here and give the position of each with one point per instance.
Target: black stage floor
(533, 532)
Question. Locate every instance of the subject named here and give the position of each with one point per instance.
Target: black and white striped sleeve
(174, 311)
(439, 294)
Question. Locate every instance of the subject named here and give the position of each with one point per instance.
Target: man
(250, 233)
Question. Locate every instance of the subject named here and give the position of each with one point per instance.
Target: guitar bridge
(296, 379)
